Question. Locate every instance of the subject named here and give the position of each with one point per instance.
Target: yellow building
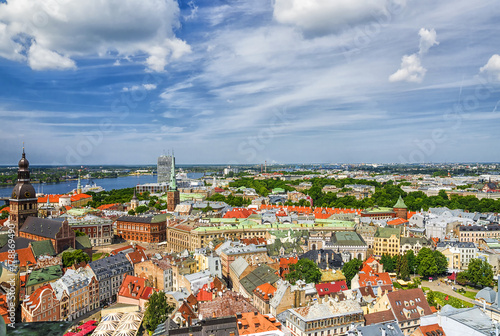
(387, 241)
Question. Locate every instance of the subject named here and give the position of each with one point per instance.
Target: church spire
(173, 182)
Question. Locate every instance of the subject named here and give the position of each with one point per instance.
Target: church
(24, 214)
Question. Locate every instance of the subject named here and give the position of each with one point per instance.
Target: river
(106, 183)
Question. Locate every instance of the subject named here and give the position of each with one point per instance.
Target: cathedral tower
(23, 201)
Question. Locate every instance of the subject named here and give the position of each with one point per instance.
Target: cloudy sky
(300, 81)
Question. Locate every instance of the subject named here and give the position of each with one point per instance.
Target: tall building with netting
(164, 168)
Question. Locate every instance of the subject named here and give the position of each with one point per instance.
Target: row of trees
(234, 201)
(427, 263)
(115, 196)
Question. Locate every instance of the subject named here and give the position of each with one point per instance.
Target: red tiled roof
(52, 199)
(256, 323)
(379, 317)
(265, 291)
(2, 221)
(405, 304)
(204, 294)
(107, 206)
(333, 287)
(25, 256)
(34, 298)
(135, 288)
(6, 209)
(239, 213)
(78, 197)
(370, 260)
(255, 241)
(428, 329)
(120, 249)
(374, 279)
(137, 256)
(397, 221)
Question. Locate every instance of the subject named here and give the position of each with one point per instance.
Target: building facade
(110, 272)
(147, 228)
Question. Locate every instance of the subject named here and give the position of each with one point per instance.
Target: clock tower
(23, 201)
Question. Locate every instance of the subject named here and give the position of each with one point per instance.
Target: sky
(243, 82)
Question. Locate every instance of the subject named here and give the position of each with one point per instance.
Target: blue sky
(302, 81)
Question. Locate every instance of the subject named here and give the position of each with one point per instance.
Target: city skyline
(247, 82)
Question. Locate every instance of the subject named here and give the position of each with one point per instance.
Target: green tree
(388, 263)
(431, 298)
(141, 209)
(304, 269)
(397, 264)
(4, 214)
(441, 262)
(426, 262)
(131, 212)
(157, 311)
(479, 272)
(404, 269)
(412, 260)
(74, 257)
(79, 233)
(350, 269)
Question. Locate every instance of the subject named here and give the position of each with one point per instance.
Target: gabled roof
(409, 304)
(259, 276)
(432, 329)
(374, 279)
(137, 256)
(329, 288)
(82, 243)
(135, 288)
(42, 247)
(397, 221)
(41, 227)
(379, 317)
(265, 291)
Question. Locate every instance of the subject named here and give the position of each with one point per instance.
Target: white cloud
(72, 29)
(40, 58)
(319, 17)
(492, 67)
(411, 69)
(147, 87)
(427, 40)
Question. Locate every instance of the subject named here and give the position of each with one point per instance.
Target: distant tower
(214, 182)
(79, 185)
(401, 209)
(134, 202)
(173, 196)
(164, 168)
(23, 201)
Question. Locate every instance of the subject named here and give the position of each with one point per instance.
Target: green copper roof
(400, 204)
(82, 242)
(44, 275)
(378, 210)
(42, 247)
(387, 232)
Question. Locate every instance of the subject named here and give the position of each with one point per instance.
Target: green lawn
(469, 294)
(452, 301)
(425, 289)
(97, 256)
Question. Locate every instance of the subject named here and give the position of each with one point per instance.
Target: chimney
(382, 331)
(319, 256)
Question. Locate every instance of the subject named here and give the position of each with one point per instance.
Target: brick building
(58, 232)
(147, 228)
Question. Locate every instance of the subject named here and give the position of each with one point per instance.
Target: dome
(24, 163)
(23, 191)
